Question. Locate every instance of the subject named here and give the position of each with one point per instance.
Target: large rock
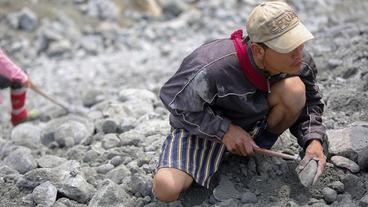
(26, 135)
(71, 129)
(225, 190)
(139, 101)
(45, 194)
(118, 174)
(21, 160)
(67, 178)
(329, 194)
(113, 109)
(110, 194)
(50, 161)
(67, 126)
(153, 126)
(351, 142)
(131, 137)
(110, 141)
(344, 162)
(140, 185)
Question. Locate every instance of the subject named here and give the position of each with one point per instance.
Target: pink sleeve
(9, 70)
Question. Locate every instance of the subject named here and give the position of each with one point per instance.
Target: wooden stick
(276, 154)
(40, 92)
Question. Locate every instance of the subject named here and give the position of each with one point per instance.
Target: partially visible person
(15, 78)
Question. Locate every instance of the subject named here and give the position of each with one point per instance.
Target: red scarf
(259, 81)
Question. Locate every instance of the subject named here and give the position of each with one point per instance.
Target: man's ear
(257, 50)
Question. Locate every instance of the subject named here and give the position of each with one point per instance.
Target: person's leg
(286, 100)
(185, 158)
(18, 99)
(18, 94)
(168, 183)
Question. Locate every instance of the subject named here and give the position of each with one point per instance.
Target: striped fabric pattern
(198, 157)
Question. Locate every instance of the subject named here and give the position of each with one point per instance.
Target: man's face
(276, 62)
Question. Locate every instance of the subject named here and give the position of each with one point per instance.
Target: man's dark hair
(263, 45)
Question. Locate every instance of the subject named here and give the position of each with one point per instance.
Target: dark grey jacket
(210, 91)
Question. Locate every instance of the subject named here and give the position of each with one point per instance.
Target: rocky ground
(107, 60)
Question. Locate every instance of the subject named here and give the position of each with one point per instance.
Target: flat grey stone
(70, 129)
(132, 137)
(21, 160)
(45, 194)
(225, 190)
(67, 126)
(103, 169)
(110, 141)
(350, 142)
(113, 109)
(344, 162)
(306, 176)
(109, 194)
(50, 161)
(329, 194)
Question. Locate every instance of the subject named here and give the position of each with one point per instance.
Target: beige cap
(275, 24)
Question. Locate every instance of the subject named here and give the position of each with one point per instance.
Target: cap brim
(290, 40)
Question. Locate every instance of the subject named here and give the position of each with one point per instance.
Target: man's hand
(314, 151)
(238, 141)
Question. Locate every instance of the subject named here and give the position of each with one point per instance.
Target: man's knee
(290, 92)
(168, 184)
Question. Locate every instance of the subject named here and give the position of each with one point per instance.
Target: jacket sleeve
(309, 124)
(10, 70)
(189, 103)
